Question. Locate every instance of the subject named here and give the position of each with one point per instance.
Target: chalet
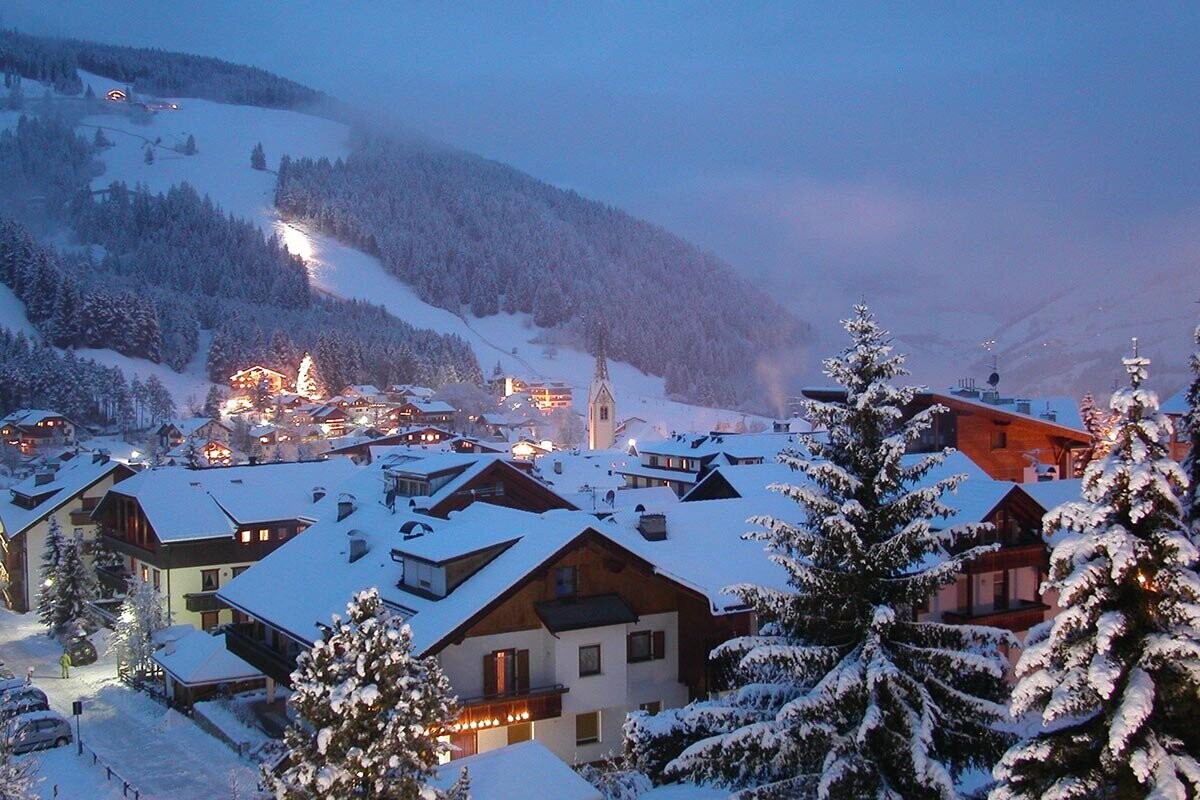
(65, 490)
(470, 444)
(288, 402)
(1012, 439)
(372, 394)
(405, 392)
(1000, 589)
(173, 433)
(1176, 408)
(421, 412)
(549, 627)
(527, 450)
(681, 460)
(331, 418)
(437, 483)
(514, 385)
(548, 396)
(203, 452)
(248, 380)
(188, 531)
(33, 430)
(512, 426)
(116, 95)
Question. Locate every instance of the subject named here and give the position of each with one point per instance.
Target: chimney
(345, 506)
(318, 493)
(254, 461)
(42, 478)
(779, 427)
(358, 549)
(653, 527)
(557, 467)
(1022, 405)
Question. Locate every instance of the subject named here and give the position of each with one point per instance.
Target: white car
(37, 730)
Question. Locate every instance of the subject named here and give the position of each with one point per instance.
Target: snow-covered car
(5, 672)
(9, 684)
(22, 701)
(37, 730)
(82, 651)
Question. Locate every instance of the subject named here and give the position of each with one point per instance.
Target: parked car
(5, 672)
(22, 701)
(8, 684)
(82, 651)
(37, 730)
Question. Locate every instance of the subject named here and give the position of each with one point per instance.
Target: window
(157, 579)
(650, 708)
(566, 582)
(645, 646)
(506, 672)
(999, 440)
(603, 413)
(264, 535)
(210, 580)
(245, 537)
(587, 728)
(589, 660)
(281, 533)
(521, 732)
(1000, 589)
(145, 573)
(209, 619)
(239, 618)
(239, 570)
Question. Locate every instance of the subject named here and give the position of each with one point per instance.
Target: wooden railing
(241, 641)
(543, 702)
(1020, 618)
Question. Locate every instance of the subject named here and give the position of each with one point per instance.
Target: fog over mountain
(1007, 174)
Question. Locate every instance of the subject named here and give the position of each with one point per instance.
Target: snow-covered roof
(518, 772)
(578, 468)
(362, 390)
(652, 498)
(30, 416)
(431, 406)
(1051, 494)
(183, 504)
(738, 445)
(71, 478)
(410, 388)
(199, 659)
(188, 427)
(1176, 404)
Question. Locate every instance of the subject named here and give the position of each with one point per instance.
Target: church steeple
(602, 405)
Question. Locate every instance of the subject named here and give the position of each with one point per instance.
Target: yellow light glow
(296, 240)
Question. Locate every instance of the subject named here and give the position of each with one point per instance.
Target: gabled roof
(72, 477)
(188, 427)
(429, 406)
(1176, 405)
(704, 446)
(185, 504)
(258, 368)
(27, 417)
(200, 659)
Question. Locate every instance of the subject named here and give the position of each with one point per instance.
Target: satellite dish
(993, 379)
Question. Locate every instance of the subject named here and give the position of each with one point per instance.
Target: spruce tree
(258, 159)
(189, 147)
(77, 586)
(49, 605)
(1113, 681)
(843, 694)
(148, 155)
(370, 713)
(1191, 425)
(142, 615)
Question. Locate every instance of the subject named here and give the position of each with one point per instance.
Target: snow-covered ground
(159, 751)
(12, 313)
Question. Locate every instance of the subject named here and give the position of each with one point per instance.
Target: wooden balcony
(203, 601)
(1013, 556)
(543, 702)
(243, 643)
(1017, 618)
(112, 578)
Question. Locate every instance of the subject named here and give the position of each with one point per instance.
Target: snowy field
(164, 754)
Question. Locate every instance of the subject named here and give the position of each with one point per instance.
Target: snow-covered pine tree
(371, 713)
(1098, 423)
(77, 586)
(18, 779)
(843, 694)
(258, 158)
(142, 615)
(49, 605)
(1191, 423)
(1114, 678)
(308, 382)
(213, 402)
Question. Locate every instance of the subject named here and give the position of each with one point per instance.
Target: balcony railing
(240, 641)
(203, 601)
(1012, 556)
(498, 710)
(1017, 617)
(113, 578)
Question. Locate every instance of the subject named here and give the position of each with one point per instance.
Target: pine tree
(189, 148)
(843, 694)
(142, 615)
(308, 382)
(77, 586)
(370, 711)
(50, 609)
(213, 402)
(100, 141)
(1098, 423)
(18, 778)
(258, 159)
(1114, 678)
(148, 156)
(1191, 423)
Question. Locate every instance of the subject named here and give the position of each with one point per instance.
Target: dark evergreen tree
(51, 610)
(189, 148)
(148, 155)
(213, 402)
(78, 587)
(843, 694)
(1191, 423)
(1112, 683)
(258, 159)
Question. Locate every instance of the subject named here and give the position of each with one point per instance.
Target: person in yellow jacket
(65, 663)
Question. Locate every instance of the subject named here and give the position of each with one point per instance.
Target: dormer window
(566, 582)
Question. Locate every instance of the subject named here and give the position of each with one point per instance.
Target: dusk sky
(836, 153)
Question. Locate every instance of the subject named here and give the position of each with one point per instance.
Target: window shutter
(658, 646)
(629, 648)
(489, 674)
(522, 670)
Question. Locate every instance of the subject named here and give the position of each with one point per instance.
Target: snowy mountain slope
(224, 137)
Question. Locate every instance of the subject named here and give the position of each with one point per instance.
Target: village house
(549, 395)
(1011, 439)
(405, 392)
(203, 452)
(175, 432)
(196, 665)
(421, 412)
(550, 626)
(681, 460)
(32, 431)
(330, 417)
(66, 490)
(188, 531)
(1176, 408)
(359, 447)
(247, 381)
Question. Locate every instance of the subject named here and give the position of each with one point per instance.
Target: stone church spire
(602, 405)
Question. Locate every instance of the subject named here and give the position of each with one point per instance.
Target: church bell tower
(602, 407)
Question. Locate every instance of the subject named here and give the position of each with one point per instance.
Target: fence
(127, 789)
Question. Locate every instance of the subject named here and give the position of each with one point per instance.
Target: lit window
(264, 535)
(145, 573)
(587, 728)
(245, 537)
(589, 660)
